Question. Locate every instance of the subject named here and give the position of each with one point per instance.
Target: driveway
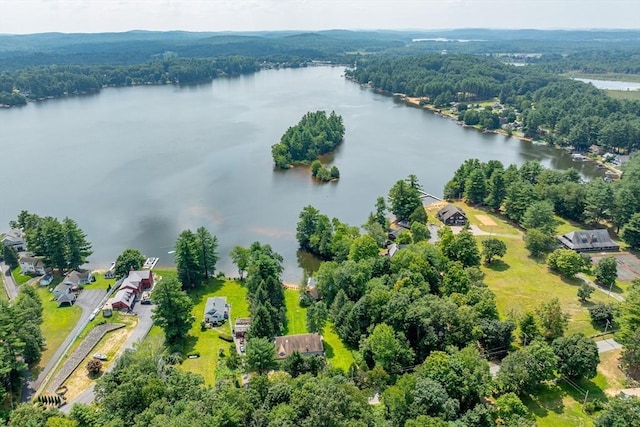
(141, 330)
(88, 300)
(9, 284)
(608, 345)
(595, 286)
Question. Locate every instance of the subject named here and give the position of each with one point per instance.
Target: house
(311, 289)
(77, 278)
(111, 272)
(32, 265)
(46, 280)
(305, 344)
(66, 298)
(61, 289)
(588, 241)
(393, 248)
(452, 215)
(137, 281)
(241, 327)
(124, 299)
(15, 238)
(216, 310)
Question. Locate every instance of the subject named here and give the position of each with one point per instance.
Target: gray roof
(588, 240)
(66, 298)
(303, 343)
(448, 211)
(215, 305)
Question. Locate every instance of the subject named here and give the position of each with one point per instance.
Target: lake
(136, 166)
(611, 84)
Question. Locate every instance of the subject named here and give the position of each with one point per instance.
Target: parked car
(146, 298)
(100, 356)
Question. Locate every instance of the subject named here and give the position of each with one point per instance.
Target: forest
(556, 109)
(315, 134)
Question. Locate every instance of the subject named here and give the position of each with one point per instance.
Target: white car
(100, 356)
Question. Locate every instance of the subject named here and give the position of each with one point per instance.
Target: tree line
(62, 244)
(33, 83)
(557, 109)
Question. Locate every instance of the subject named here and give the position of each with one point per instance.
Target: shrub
(175, 358)
(226, 337)
(94, 366)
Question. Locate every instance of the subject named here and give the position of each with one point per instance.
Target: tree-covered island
(314, 135)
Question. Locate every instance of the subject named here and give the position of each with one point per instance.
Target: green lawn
(337, 354)
(19, 277)
(208, 342)
(296, 315)
(101, 282)
(57, 323)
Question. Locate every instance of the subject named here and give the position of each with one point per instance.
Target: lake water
(611, 84)
(136, 166)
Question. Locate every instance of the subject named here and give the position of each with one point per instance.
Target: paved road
(608, 345)
(9, 284)
(595, 286)
(88, 300)
(141, 330)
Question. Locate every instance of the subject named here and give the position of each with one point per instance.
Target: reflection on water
(139, 165)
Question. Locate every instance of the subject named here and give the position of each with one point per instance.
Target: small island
(314, 135)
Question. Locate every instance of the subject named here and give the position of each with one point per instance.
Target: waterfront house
(137, 281)
(305, 344)
(62, 288)
(14, 238)
(216, 310)
(68, 298)
(452, 215)
(77, 278)
(32, 265)
(588, 241)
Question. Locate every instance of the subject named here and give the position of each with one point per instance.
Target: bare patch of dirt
(110, 345)
(485, 220)
(608, 368)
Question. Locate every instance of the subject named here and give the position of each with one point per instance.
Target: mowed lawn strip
(57, 324)
(208, 342)
(338, 355)
(296, 315)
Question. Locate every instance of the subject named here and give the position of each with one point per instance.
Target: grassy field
(631, 95)
(296, 315)
(57, 323)
(337, 354)
(19, 277)
(101, 282)
(208, 342)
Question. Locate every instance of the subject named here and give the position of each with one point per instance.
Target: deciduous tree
(493, 247)
(129, 259)
(577, 355)
(552, 319)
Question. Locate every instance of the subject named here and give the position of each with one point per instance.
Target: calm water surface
(135, 166)
(612, 84)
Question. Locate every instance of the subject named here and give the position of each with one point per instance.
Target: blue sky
(72, 16)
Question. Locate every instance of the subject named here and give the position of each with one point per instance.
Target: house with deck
(216, 310)
(452, 215)
(589, 241)
(77, 278)
(305, 344)
(137, 281)
(241, 327)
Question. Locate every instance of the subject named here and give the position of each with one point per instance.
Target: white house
(32, 265)
(76, 278)
(216, 310)
(15, 238)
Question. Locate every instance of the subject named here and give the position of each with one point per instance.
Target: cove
(136, 166)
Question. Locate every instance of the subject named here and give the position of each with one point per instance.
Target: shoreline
(415, 102)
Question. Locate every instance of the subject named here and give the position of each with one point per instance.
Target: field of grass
(101, 282)
(337, 354)
(631, 95)
(57, 323)
(296, 315)
(208, 342)
(19, 277)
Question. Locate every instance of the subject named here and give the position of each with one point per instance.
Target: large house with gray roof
(589, 241)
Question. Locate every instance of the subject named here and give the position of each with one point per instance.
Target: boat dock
(424, 194)
(150, 263)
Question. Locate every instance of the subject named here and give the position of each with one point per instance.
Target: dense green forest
(557, 109)
(58, 80)
(314, 135)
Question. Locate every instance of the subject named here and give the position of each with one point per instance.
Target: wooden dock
(424, 194)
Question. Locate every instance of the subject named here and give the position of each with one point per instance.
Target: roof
(242, 324)
(76, 277)
(124, 296)
(62, 287)
(588, 240)
(66, 298)
(215, 305)
(31, 260)
(13, 236)
(303, 343)
(448, 211)
(134, 279)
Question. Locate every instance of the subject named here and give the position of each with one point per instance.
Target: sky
(91, 16)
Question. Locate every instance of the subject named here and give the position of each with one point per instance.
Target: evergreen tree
(207, 249)
(173, 309)
(78, 249)
(187, 256)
